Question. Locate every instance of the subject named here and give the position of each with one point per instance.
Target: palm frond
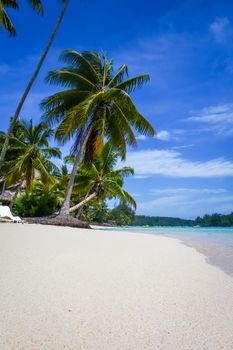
(94, 59)
(76, 58)
(118, 77)
(116, 190)
(125, 171)
(129, 134)
(66, 77)
(6, 22)
(107, 70)
(37, 6)
(10, 3)
(50, 152)
(133, 83)
(58, 104)
(143, 126)
(39, 165)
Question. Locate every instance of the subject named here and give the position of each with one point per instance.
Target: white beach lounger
(6, 213)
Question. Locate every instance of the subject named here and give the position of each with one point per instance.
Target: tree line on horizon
(213, 220)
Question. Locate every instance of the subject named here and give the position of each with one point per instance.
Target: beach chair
(6, 213)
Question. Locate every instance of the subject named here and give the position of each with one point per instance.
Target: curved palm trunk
(81, 204)
(79, 212)
(65, 209)
(21, 102)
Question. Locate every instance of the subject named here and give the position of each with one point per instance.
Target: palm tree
(4, 18)
(94, 105)
(33, 155)
(33, 78)
(100, 180)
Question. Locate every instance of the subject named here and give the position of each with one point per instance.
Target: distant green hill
(214, 220)
(142, 220)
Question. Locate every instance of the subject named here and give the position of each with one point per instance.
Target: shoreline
(217, 254)
(98, 289)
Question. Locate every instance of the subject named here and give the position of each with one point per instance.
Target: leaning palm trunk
(28, 88)
(65, 209)
(79, 211)
(81, 204)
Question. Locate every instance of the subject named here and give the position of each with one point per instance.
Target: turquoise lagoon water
(216, 243)
(221, 235)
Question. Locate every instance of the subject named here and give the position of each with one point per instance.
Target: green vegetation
(100, 180)
(215, 220)
(38, 202)
(142, 220)
(122, 215)
(95, 213)
(5, 21)
(95, 110)
(98, 113)
(95, 105)
(30, 154)
(36, 4)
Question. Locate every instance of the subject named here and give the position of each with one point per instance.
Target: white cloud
(220, 29)
(183, 146)
(141, 137)
(187, 191)
(163, 135)
(219, 118)
(171, 163)
(184, 205)
(215, 114)
(140, 177)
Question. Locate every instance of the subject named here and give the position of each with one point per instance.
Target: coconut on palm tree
(5, 21)
(101, 180)
(32, 155)
(14, 119)
(94, 104)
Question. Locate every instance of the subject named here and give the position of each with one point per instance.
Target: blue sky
(187, 47)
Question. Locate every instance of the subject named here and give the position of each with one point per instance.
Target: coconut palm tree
(33, 78)
(33, 155)
(101, 180)
(95, 103)
(4, 18)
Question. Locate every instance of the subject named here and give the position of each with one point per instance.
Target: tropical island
(73, 133)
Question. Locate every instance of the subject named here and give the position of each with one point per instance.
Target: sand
(64, 288)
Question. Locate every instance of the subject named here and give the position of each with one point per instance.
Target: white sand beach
(63, 288)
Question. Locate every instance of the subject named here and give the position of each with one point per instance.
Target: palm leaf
(37, 6)
(123, 70)
(6, 22)
(56, 105)
(133, 83)
(68, 78)
(130, 137)
(125, 171)
(52, 152)
(44, 172)
(95, 60)
(77, 59)
(10, 3)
